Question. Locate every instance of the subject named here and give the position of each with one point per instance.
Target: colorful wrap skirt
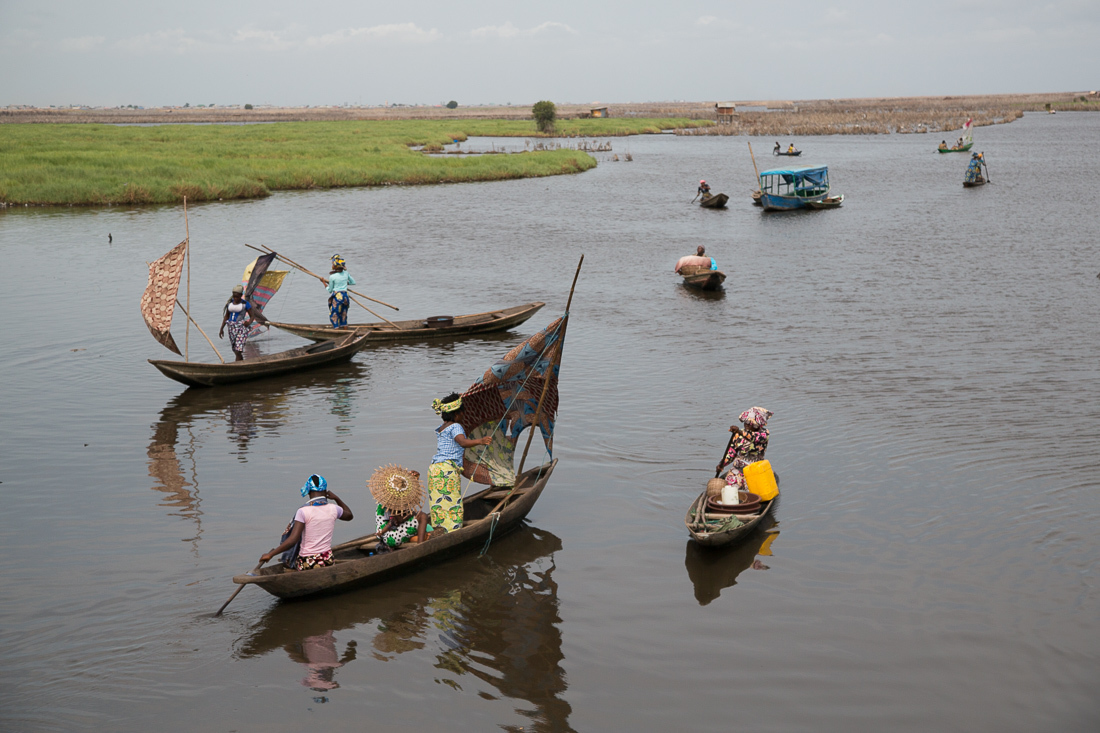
(308, 562)
(445, 495)
(396, 535)
(238, 334)
(338, 304)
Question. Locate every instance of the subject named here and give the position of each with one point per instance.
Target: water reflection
(494, 618)
(713, 569)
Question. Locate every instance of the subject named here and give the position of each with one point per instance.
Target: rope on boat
(492, 526)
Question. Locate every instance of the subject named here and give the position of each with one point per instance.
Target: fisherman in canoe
(704, 189)
(943, 145)
(338, 281)
(310, 532)
(239, 316)
(444, 475)
(748, 445)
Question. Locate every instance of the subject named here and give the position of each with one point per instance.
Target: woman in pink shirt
(313, 526)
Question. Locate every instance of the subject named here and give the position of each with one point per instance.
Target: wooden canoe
(198, 374)
(756, 198)
(702, 278)
(710, 532)
(354, 568)
(960, 149)
(417, 330)
(795, 154)
(973, 184)
(715, 201)
(829, 202)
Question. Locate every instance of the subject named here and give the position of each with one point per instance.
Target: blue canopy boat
(793, 188)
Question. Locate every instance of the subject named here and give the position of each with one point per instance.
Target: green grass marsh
(70, 164)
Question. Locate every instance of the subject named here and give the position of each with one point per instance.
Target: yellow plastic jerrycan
(760, 480)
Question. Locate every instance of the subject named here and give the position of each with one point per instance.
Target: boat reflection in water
(493, 617)
(713, 569)
(249, 410)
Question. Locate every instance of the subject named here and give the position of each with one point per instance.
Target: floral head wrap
(441, 407)
(757, 416)
(338, 261)
(316, 482)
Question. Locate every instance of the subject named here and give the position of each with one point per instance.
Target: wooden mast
(187, 323)
(550, 370)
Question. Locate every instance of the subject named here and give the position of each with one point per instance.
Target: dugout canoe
(715, 201)
(829, 202)
(702, 278)
(354, 568)
(416, 330)
(713, 530)
(200, 374)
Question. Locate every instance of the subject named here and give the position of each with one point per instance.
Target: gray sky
(144, 52)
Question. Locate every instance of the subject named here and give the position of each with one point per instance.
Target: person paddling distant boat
(338, 281)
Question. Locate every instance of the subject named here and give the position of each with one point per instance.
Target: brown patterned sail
(158, 302)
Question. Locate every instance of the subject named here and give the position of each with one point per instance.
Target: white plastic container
(729, 495)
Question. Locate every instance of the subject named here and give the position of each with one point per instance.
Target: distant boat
(793, 188)
(793, 154)
(967, 141)
(829, 202)
(714, 201)
(702, 278)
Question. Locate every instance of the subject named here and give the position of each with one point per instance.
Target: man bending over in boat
(312, 527)
(699, 259)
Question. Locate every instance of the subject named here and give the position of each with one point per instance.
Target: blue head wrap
(316, 482)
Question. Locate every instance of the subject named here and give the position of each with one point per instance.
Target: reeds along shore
(108, 164)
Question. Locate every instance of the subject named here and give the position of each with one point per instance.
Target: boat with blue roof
(784, 189)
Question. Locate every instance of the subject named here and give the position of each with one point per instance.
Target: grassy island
(96, 164)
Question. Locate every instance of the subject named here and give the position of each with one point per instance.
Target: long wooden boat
(702, 278)
(974, 184)
(785, 189)
(354, 568)
(829, 202)
(197, 374)
(795, 154)
(416, 330)
(712, 530)
(714, 201)
(960, 149)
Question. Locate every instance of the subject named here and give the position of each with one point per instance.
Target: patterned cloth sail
(158, 302)
(505, 400)
(260, 284)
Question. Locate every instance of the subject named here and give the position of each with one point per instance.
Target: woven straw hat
(396, 488)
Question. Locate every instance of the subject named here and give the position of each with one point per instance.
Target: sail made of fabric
(261, 284)
(967, 135)
(158, 302)
(504, 401)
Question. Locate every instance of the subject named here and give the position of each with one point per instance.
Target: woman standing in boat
(312, 527)
(239, 316)
(444, 475)
(748, 445)
(338, 282)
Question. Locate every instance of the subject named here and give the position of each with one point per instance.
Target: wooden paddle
(239, 589)
(693, 200)
(986, 168)
(725, 453)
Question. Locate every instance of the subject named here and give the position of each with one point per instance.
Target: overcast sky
(319, 52)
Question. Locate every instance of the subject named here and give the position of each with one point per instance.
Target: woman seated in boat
(943, 145)
(312, 527)
(444, 475)
(395, 527)
(791, 149)
(240, 317)
(704, 189)
(748, 445)
(338, 281)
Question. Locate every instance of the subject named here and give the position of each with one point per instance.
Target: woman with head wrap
(338, 302)
(239, 316)
(748, 445)
(444, 484)
(312, 527)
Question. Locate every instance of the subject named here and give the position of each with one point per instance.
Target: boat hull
(708, 280)
(772, 202)
(355, 569)
(963, 149)
(717, 201)
(973, 184)
(728, 537)
(830, 202)
(795, 154)
(197, 374)
(416, 330)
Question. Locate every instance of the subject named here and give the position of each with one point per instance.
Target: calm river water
(930, 354)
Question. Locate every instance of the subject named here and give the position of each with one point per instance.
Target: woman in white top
(239, 316)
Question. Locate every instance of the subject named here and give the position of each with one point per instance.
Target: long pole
(187, 325)
(754, 167)
(726, 452)
(192, 320)
(236, 592)
(292, 263)
(987, 179)
(313, 274)
(550, 370)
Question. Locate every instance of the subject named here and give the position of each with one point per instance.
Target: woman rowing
(338, 300)
(748, 445)
(444, 483)
(312, 527)
(240, 318)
